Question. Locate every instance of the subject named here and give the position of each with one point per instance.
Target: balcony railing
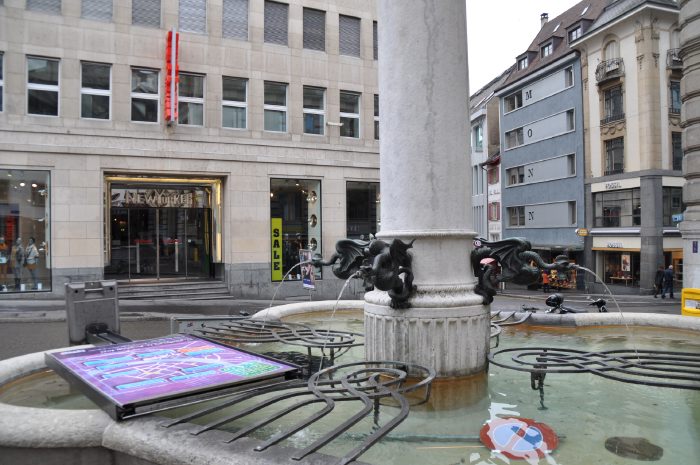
(609, 69)
(612, 118)
(613, 171)
(673, 59)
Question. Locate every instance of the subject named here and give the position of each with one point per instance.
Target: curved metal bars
(648, 367)
(364, 382)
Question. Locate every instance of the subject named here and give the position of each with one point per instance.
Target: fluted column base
(454, 340)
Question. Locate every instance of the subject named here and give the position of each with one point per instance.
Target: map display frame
(120, 378)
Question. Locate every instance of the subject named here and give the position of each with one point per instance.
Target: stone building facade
(632, 71)
(273, 149)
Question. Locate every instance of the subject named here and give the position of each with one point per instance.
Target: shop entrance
(159, 233)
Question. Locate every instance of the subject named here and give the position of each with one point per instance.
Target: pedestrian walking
(659, 281)
(545, 282)
(668, 282)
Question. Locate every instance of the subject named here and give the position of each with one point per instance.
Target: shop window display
(295, 225)
(25, 262)
(362, 209)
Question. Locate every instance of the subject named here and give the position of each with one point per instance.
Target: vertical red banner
(172, 70)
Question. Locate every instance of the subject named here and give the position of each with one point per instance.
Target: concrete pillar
(426, 189)
(690, 121)
(651, 231)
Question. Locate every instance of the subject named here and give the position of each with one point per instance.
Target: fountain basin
(30, 434)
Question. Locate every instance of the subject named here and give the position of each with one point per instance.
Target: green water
(583, 409)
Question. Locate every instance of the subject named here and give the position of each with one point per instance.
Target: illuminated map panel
(166, 368)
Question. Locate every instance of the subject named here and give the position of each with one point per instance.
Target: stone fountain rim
(94, 428)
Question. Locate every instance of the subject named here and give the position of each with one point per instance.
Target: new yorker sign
(160, 198)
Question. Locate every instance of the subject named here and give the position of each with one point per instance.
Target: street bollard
(91, 303)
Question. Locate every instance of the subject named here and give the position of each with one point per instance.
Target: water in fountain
(330, 320)
(279, 285)
(612, 296)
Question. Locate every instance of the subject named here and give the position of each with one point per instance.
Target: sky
(500, 30)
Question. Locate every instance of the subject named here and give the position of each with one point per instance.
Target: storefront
(162, 228)
(25, 261)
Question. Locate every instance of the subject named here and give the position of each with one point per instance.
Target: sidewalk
(575, 295)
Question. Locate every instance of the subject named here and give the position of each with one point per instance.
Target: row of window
(613, 105)
(615, 154)
(547, 127)
(234, 18)
(96, 92)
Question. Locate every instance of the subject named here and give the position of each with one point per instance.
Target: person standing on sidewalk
(668, 282)
(659, 281)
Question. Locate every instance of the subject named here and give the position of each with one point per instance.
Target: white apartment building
(264, 144)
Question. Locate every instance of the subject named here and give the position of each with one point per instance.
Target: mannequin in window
(4, 258)
(31, 260)
(17, 261)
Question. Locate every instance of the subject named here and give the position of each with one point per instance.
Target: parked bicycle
(556, 304)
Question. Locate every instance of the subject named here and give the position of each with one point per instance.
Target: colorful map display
(157, 368)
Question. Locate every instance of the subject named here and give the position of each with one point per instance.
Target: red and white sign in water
(519, 438)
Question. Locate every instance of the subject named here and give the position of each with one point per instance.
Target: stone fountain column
(690, 120)
(426, 187)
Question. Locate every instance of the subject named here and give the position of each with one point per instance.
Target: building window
(2, 82)
(193, 16)
(314, 110)
(145, 13)
(569, 77)
(275, 107)
(677, 150)
(516, 216)
(234, 104)
(362, 209)
(570, 120)
(314, 29)
(24, 223)
(522, 63)
(478, 138)
(47, 6)
(515, 175)
(349, 114)
(546, 49)
(514, 138)
(675, 97)
(571, 163)
(611, 50)
(235, 19)
(376, 117)
(42, 86)
(100, 10)
(145, 96)
(477, 181)
(375, 40)
(276, 22)
(495, 211)
(613, 105)
(190, 105)
(493, 174)
(295, 217)
(617, 209)
(575, 33)
(513, 101)
(614, 156)
(349, 40)
(672, 205)
(95, 90)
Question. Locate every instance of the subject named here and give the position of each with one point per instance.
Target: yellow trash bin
(690, 302)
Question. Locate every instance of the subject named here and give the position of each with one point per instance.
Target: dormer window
(575, 33)
(522, 62)
(546, 49)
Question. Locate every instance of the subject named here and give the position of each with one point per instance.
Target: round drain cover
(519, 438)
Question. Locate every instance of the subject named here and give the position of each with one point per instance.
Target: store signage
(172, 49)
(158, 198)
(276, 261)
(613, 185)
(677, 218)
(615, 245)
(583, 232)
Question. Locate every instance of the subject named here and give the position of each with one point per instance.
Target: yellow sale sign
(276, 237)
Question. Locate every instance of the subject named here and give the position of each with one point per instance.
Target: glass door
(172, 247)
(143, 239)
